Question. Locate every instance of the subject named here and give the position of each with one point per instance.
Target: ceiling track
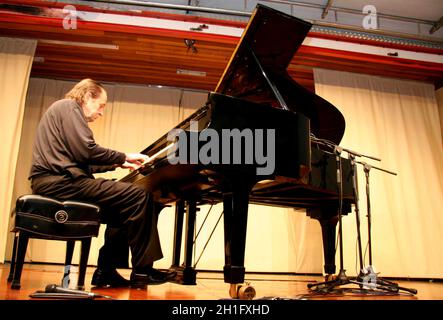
(244, 13)
(377, 36)
(345, 31)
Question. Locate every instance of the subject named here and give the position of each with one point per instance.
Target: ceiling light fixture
(191, 72)
(39, 59)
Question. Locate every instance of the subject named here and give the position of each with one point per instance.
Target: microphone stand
(368, 273)
(342, 278)
(351, 158)
(370, 278)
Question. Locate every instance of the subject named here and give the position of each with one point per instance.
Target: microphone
(52, 288)
(55, 292)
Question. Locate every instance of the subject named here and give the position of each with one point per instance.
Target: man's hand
(134, 161)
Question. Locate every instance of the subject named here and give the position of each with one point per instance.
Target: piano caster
(330, 277)
(242, 291)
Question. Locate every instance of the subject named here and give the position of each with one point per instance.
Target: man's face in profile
(93, 108)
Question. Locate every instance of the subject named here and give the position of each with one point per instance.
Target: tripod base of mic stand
(370, 280)
(328, 286)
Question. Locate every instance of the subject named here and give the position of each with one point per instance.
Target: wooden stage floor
(210, 286)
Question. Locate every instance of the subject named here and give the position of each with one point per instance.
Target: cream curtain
(397, 121)
(279, 240)
(439, 94)
(16, 57)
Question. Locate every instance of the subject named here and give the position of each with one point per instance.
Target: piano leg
(328, 224)
(235, 205)
(178, 230)
(189, 274)
(186, 274)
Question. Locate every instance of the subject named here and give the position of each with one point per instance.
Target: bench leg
(14, 257)
(70, 244)
(23, 240)
(86, 245)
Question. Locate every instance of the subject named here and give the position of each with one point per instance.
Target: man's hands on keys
(135, 161)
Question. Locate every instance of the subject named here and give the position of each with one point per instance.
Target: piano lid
(257, 71)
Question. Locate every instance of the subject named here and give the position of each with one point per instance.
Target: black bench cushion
(53, 219)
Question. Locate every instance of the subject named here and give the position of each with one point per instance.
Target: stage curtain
(397, 121)
(16, 57)
(439, 94)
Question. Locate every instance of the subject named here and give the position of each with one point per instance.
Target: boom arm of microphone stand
(368, 167)
(338, 149)
(360, 155)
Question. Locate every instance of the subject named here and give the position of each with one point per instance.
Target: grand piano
(255, 94)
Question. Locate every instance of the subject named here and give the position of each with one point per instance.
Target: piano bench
(49, 219)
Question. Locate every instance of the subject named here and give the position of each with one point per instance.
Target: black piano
(254, 95)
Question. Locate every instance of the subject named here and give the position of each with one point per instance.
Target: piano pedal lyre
(242, 291)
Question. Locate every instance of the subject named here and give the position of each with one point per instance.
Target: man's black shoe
(151, 277)
(108, 278)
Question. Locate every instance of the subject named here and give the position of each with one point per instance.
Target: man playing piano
(65, 156)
